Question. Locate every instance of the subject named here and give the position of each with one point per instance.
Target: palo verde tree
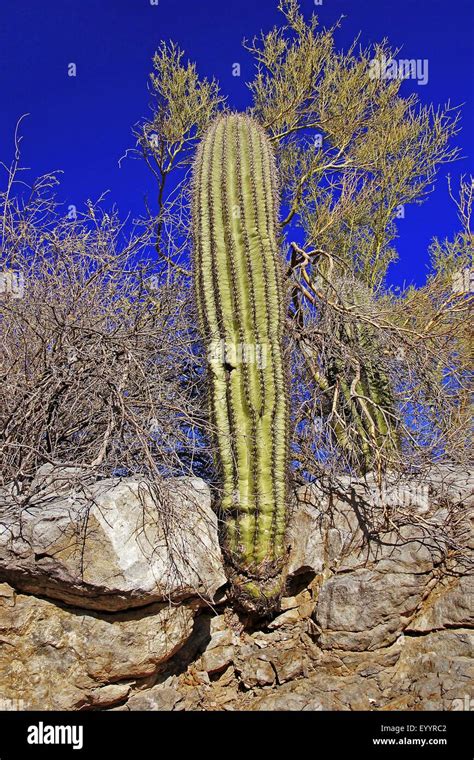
(352, 153)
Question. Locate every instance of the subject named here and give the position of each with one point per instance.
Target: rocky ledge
(113, 596)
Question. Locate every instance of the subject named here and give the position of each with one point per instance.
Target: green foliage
(351, 150)
(451, 257)
(183, 106)
(354, 155)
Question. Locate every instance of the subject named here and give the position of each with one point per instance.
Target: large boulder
(61, 658)
(111, 544)
(389, 558)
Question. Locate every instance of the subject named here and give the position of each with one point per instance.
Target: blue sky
(82, 125)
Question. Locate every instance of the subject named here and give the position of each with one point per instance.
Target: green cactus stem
(238, 283)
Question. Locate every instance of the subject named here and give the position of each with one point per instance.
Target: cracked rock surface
(377, 616)
(112, 544)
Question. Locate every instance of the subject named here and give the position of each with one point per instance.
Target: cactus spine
(239, 295)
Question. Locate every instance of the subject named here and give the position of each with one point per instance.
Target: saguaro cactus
(239, 294)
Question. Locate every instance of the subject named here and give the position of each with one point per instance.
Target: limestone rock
(289, 664)
(416, 673)
(58, 658)
(306, 536)
(376, 579)
(391, 604)
(286, 618)
(108, 696)
(449, 605)
(287, 699)
(454, 483)
(162, 699)
(340, 528)
(113, 544)
(435, 669)
(257, 670)
(217, 658)
(364, 610)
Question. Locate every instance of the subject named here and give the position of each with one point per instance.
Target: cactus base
(257, 596)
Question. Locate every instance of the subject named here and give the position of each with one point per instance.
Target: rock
(221, 639)
(452, 482)
(365, 609)
(286, 618)
(303, 602)
(217, 624)
(435, 669)
(202, 677)
(108, 696)
(289, 664)
(375, 580)
(306, 536)
(338, 530)
(113, 544)
(406, 550)
(256, 670)
(52, 481)
(7, 595)
(450, 604)
(56, 658)
(412, 674)
(277, 701)
(289, 603)
(259, 640)
(226, 677)
(217, 658)
(391, 606)
(158, 698)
